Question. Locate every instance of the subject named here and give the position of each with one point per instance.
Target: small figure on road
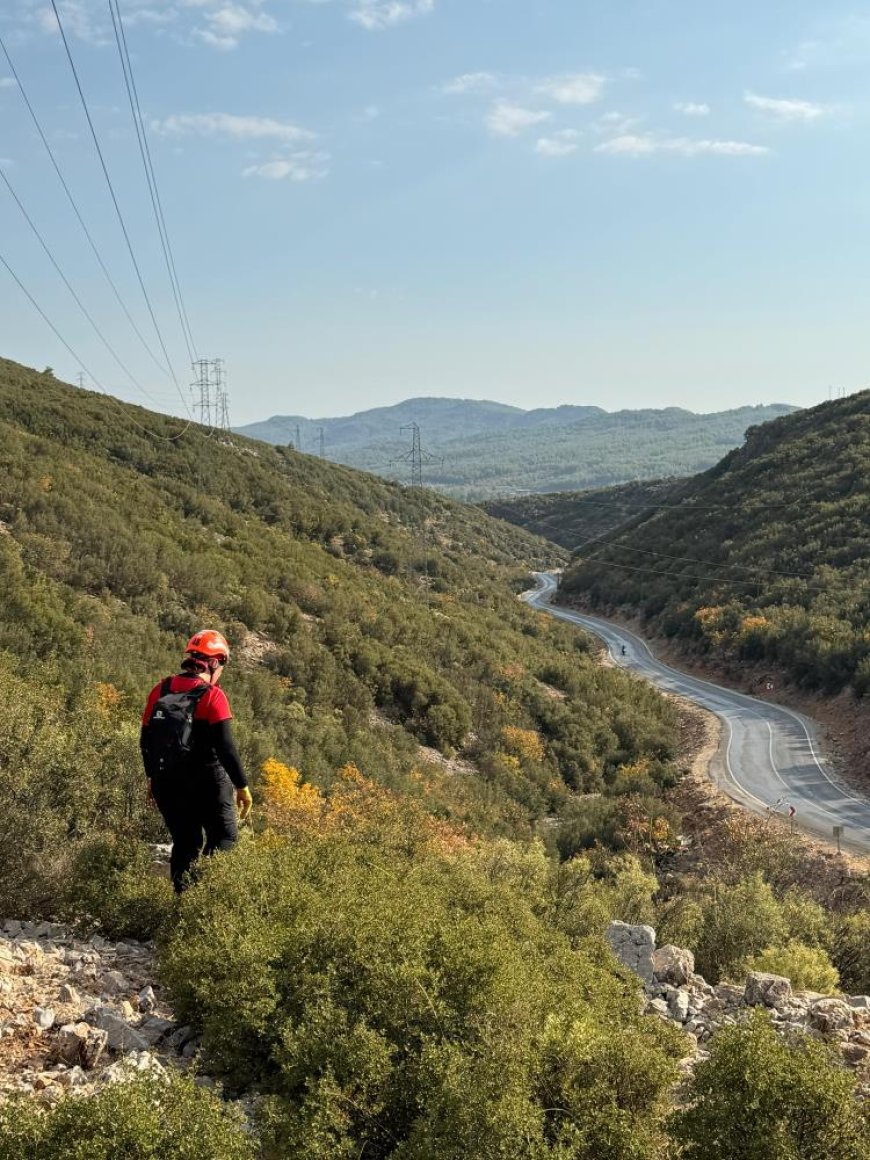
(624, 650)
(195, 776)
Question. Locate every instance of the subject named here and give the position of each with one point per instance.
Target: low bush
(113, 889)
(759, 1097)
(145, 1119)
(405, 1003)
(809, 968)
(739, 921)
(850, 950)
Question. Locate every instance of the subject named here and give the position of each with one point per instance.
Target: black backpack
(169, 733)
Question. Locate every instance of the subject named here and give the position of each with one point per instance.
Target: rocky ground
(76, 1014)
(674, 992)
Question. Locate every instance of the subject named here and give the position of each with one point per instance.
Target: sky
(615, 202)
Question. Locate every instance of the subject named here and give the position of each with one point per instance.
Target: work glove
(244, 802)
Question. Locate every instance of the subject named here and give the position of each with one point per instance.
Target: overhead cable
(80, 362)
(682, 576)
(70, 287)
(72, 201)
(117, 206)
(50, 324)
(150, 175)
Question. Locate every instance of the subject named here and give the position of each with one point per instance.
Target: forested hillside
(403, 957)
(367, 619)
(571, 518)
(763, 558)
(491, 451)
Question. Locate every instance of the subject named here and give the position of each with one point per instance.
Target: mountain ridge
(478, 450)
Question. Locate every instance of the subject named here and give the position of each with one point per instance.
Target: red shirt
(212, 707)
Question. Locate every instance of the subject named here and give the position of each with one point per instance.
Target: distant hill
(491, 450)
(570, 518)
(763, 558)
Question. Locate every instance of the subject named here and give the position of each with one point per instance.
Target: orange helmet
(209, 643)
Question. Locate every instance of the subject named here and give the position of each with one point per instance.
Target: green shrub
(805, 919)
(112, 888)
(760, 1098)
(68, 769)
(679, 922)
(850, 950)
(410, 1005)
(809, 968)
(739, 921)
(144, 1119)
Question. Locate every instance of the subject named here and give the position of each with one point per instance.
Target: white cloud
(786, 110)
(647, 144)
(693, 109)
(478, 82)
(616, 124)
(230, 125)
(297, 167)
(377, 14)
(218, 23)
(507, 120)
(577, 89)
(78, 21)
(8, 83)
(225, 22)
(561, 144)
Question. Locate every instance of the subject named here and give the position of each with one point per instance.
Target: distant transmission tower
(298, 437)
(416, 457)
(212, 400)
(321, 440)
(81, 380)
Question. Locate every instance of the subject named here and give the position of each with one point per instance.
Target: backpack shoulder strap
(165, 686)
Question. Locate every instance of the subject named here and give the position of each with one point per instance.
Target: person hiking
(195, 776)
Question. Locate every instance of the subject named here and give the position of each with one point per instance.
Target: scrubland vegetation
(571, 518)
(762, 559)
(404, 957)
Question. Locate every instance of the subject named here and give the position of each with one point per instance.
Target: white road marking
(611, 635)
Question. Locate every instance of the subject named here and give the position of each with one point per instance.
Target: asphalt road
(769, 757)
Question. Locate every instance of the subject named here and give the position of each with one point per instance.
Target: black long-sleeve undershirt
(212, 743)
(222, 741)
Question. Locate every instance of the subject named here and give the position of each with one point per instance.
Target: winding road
(769, 757)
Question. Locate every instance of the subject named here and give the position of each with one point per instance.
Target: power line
(593, 560)
(69, 286)
(49, 323)
(682, 576)
(150, 175)
(120, 216)
(532, 525)
(685, 504)
(77, 211)
(83, 364)
(689, 559)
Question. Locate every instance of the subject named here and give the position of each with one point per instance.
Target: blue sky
(621, 202)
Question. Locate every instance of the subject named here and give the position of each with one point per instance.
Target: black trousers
(199, 809)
